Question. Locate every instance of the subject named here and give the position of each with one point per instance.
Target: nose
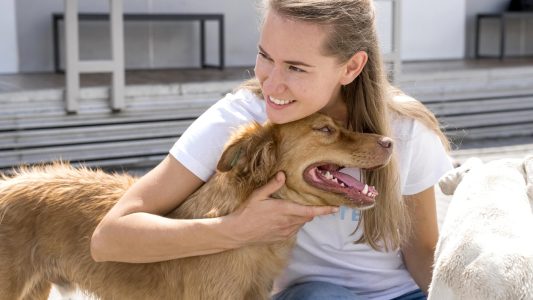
(273, 83)
(385, 142)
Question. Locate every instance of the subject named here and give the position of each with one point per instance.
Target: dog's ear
(250, 152)
(449, 181)
(528, 168)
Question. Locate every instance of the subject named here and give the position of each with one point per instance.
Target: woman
(313, 56)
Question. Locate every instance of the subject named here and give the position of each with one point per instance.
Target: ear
(230, 156)
(251, 152)
(449, 181)
(528, 167)
(353, 67)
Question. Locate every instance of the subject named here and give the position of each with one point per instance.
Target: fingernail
(335, 209)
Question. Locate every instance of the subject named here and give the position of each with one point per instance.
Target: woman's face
(296, 78)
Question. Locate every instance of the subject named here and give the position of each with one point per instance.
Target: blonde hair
(370, 101)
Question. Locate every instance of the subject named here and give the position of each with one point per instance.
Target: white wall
(8, 37)
(157, 45)
(433, 30)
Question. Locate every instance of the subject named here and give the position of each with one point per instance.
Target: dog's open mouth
(327, 177)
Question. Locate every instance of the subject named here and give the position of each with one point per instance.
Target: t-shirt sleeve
(427, 160)
(201, 145)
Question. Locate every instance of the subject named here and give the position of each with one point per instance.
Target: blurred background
(146, 76)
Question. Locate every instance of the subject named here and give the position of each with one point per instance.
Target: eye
(296, 69)
(325, 129)
(263, 55)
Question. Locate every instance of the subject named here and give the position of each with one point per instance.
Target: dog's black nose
(385, 142)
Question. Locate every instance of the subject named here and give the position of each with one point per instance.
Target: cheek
(299, 85)
(314, 91)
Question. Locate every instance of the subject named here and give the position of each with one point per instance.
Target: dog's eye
(325, 129)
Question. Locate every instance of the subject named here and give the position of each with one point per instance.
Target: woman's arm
(419, 250)
(135, 231)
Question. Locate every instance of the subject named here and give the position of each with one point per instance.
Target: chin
(277, 117)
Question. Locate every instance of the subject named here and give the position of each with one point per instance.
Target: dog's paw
(449, 181)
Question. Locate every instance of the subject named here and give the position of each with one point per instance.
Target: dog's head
(492, 171)
(311, 152)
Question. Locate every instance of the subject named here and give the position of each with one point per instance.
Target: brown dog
(48, 214)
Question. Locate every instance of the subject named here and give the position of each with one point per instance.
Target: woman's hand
(262, 219)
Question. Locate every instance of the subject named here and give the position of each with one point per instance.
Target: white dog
(485, 249)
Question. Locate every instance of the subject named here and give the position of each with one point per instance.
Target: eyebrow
(290, 62)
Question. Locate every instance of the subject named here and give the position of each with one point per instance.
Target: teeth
(330, 177)
(280, 101)
(365, 190)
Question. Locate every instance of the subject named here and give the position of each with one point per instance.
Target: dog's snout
(385, 142)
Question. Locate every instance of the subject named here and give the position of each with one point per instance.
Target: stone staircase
(479, 104)
(34, 127)
(472, 105)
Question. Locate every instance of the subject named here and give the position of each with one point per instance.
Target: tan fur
(48, 214)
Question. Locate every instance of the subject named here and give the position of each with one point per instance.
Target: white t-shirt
(324, 248)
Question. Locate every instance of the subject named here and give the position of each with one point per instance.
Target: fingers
(305, 211)
(274, 184)
(263, 219)
(310, 211)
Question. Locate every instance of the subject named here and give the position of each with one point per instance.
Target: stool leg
(478, 30)
(221, 43)
(117, 44)
(502, 36)
(72, 74)
(203, 64)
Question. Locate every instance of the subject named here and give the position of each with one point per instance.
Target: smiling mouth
(280, 102)
(326, 177)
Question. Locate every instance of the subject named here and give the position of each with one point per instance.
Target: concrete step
(441, 85)
(494, 152)
(477, 103)
(34, 127)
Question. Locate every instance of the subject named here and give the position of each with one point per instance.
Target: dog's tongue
(351, 178)
(348, 179)
(346, 182)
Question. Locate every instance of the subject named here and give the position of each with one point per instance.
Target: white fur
(485, 249)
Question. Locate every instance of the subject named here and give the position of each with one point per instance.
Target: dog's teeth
(365, 189)
(335, 180)
(343, 185)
